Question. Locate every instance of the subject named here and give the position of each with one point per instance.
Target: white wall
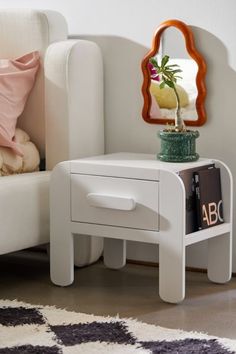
(124, 29)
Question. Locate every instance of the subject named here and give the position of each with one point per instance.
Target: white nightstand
(133, 197)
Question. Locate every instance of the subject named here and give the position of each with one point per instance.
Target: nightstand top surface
(129, 165)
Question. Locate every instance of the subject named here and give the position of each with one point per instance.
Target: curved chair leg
(61, 238)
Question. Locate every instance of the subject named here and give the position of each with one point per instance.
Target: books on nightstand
(203, 197)
(208, 198)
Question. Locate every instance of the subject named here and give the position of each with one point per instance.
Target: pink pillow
(16, 81)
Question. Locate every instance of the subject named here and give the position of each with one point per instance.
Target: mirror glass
(173, 45)
(160, 103)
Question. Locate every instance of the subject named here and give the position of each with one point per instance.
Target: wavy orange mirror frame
(200, 77)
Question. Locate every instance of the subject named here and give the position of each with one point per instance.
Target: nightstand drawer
(114, 201)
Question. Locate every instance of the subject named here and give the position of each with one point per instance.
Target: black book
(208, 198)
(187, 177)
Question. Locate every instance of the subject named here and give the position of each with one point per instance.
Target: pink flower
(153, 72)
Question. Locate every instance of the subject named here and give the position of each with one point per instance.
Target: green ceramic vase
(178, 146)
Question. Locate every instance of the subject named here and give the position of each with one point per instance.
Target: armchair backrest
(23, 31)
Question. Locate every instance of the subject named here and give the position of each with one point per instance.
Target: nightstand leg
(171, 273)
(220, 258)
(62, 257)
(114, 253)
(171, 243)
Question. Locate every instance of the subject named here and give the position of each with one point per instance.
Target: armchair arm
(73, 101)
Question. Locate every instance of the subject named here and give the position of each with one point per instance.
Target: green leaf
(164, 60)
(162, 85)
(168, 70)
(164, 79)
(153, 61)
(170, 83)
(176, 71)
(170, 67)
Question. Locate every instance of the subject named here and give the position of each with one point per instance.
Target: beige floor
(131, 292)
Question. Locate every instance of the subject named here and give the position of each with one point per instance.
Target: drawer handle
(110, 202)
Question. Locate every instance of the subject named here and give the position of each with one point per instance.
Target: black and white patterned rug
(29, 329)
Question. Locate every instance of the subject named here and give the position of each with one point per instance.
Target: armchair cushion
(16, 81)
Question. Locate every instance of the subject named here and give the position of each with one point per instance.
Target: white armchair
(63, 116)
